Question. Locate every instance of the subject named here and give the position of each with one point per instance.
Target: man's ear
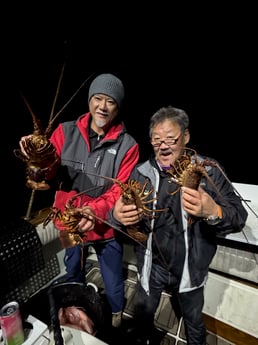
(186, 137)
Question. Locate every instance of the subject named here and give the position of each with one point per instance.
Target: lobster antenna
(69, 100)
(36, 121)
(28, 213)
(245, 201)
(57, 92)
(237, 192)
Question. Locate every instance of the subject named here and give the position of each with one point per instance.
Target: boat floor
(170, 330)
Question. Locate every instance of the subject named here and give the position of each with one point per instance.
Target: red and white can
(11, 324)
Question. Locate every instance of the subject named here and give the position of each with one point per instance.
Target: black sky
(219, 95)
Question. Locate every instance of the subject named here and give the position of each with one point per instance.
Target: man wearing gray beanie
(109, 85)
(97, 143)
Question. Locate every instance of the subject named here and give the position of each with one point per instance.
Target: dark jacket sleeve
(234, 214)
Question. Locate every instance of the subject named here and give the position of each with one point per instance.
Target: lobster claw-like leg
(69, 239)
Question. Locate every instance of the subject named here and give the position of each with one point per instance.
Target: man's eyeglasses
(168, 141)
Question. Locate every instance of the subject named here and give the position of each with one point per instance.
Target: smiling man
(97, 143)
(181, 241)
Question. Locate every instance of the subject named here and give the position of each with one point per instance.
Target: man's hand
(198, 203)
(87, 223)
(127, 214)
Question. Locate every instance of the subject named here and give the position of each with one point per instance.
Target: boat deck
(170, 330)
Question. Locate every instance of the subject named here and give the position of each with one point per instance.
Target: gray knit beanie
(109, 85)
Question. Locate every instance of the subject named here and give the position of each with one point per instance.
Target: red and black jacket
(114, 156)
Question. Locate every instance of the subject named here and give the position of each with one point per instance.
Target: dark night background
(218, 89)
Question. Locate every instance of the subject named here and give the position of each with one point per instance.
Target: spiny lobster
(38, 152)
(39, 155)
(70, 218)
(133, 192)
(187, 171)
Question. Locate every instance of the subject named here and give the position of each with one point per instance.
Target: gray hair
(169, 113)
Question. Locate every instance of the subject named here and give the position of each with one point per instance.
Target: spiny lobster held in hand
(40, 156)
(38, 152)
(70, 218)
(187, 171)
(134, 193)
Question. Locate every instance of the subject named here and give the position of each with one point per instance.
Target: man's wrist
(213, 220)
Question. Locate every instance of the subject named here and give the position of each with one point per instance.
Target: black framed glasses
(168, 141)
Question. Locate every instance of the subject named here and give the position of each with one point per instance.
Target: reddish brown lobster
(133, 192)
(38, 152)
(187, 171)
(70, 218)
